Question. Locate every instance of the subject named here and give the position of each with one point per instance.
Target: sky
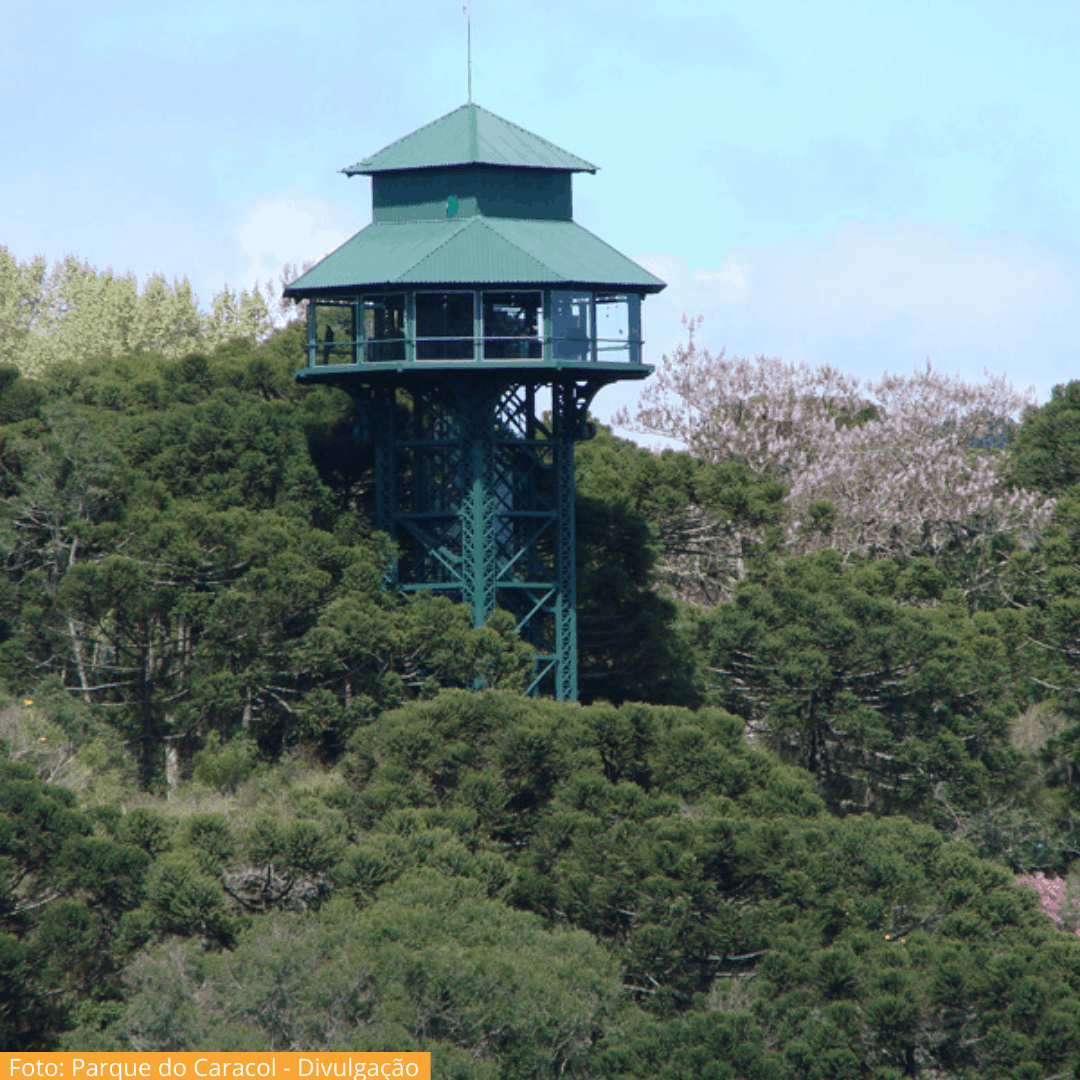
(864, 184)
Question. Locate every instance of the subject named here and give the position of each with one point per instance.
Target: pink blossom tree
(904, 465)
(1055, 897)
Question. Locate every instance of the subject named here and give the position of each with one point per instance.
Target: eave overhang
(474, 251)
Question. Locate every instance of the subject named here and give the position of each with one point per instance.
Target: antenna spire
(468, 19)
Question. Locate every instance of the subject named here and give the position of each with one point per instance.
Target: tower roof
(476, 251)
(470, 135)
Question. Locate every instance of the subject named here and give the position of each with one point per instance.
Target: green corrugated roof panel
(481, 252)
(474, 251)
(573, 254)
(470, 135)
(379, 253)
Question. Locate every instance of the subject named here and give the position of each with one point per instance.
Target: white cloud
(734, 274)
(291, 226)
(876, 297)
(951, 288)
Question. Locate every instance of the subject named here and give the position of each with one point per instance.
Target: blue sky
(860, 183)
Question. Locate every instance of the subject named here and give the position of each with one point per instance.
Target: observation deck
(473, 261)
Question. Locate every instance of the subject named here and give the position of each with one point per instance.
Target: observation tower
(471, 297)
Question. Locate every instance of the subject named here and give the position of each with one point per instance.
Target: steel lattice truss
(478, 493)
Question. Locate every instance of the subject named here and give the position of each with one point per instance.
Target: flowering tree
(905, 465)
(1054, 895)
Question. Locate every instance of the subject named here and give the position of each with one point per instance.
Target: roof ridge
(474, 130)
(505, 239)
(491, 223)
(457, 228)
(611, 247)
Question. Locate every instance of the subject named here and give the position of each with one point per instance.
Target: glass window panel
(335, 333)
(383, 325)
(571, 328)
(444, 326)
(512, 326)
(612, 328)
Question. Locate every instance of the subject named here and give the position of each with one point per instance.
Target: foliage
(629, 643)
(433, 964)
(908, 465)
(63, 895)
(224, 766)
(703, 520)
(174, 557)
(752, 933)
(873, 676)
(1044, 582)
(1046, 456)
(74, 313)
(1033, 829)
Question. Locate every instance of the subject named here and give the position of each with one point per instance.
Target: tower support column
(479, 550)
(478, 493)
(566, 659)
(567, 417)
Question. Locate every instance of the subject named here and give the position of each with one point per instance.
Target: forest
(816, 817)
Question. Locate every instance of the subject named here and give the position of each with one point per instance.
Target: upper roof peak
(470, 135)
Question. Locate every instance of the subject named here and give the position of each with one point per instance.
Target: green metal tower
(472, 296)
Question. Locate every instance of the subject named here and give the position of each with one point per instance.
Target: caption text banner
(284, 1066)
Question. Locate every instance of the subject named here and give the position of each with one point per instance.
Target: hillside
(250, 801)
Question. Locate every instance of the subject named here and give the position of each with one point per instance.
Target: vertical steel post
(565, 423)
(479, 548)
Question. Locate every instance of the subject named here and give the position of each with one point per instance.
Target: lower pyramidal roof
(475, 250)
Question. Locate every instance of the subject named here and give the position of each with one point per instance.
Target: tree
(873, 676)
(907, 465)
(533, 888)
(21, 302)
(629, 646)
(699, 521)
(758, 934)
(175, 557)
(1046, 454)
(73, 312)
(433, 964)
(1044, 578)
(63, 893)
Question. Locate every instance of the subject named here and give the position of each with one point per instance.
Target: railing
(510, 325)
(335, 352)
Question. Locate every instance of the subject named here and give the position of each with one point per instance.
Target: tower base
(477, 491)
